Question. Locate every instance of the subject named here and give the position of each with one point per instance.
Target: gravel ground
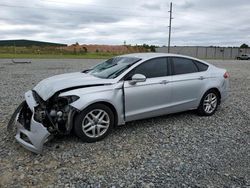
(179, 150)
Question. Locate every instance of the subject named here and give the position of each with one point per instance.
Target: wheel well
(111, 107)
(217, 91)
(101, 102)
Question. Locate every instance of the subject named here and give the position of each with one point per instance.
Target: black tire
(201, 110)
(78, 129)
(10, 126)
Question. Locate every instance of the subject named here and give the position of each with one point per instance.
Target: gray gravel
(180, 150)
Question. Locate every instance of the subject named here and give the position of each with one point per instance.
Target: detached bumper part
(34, 138)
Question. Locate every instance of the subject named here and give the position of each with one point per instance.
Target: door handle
(201, 78)
(164, 82)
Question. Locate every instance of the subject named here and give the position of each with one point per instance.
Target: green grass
(58, 56)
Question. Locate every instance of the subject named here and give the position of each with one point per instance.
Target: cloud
(196, 22)
(187, 5)
(151, 6)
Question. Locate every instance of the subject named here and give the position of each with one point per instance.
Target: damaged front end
(36, 121)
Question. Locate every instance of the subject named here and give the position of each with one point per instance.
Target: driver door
(151, 97)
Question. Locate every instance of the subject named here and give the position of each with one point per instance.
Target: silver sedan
(116, 91)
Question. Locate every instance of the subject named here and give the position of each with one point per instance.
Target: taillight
(226, 75)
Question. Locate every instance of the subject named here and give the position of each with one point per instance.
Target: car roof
(150, 55)
(145, 56)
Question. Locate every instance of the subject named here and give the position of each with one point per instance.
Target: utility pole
(170, 23)
(14, 49)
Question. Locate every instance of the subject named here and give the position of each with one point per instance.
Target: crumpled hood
(49, 86)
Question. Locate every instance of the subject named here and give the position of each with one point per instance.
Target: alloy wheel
(95, 123)
(210, 103)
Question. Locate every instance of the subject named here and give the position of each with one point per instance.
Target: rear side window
(201, 66)
(183, 66)
(152, 68)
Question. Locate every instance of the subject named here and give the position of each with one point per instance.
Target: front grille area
(39, 114)
(25, 116)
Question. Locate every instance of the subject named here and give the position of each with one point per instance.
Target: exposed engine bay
(55, 114)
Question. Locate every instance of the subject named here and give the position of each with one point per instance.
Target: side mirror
(137, 78)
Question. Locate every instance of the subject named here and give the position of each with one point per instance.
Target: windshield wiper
(86, 70)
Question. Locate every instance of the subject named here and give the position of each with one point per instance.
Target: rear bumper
(225, 90)
(34, 138)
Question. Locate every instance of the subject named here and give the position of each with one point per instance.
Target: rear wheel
(94, 123)
(209, 103)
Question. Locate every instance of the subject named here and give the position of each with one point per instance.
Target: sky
(195, 22)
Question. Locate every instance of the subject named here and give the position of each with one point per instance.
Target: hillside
(28, 43)
(97, 48)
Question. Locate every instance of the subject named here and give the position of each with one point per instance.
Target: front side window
(152, 68)
(183, 66)
(113, 67)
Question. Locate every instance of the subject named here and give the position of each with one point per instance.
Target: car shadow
(131, 126)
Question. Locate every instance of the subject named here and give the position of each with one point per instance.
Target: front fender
(109, 94)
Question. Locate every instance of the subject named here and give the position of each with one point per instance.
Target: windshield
(113, 67)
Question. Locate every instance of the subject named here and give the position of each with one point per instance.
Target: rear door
(149, 98)
(188, 83)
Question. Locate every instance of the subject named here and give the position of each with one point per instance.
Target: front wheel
(94, 123)
(209, 103)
